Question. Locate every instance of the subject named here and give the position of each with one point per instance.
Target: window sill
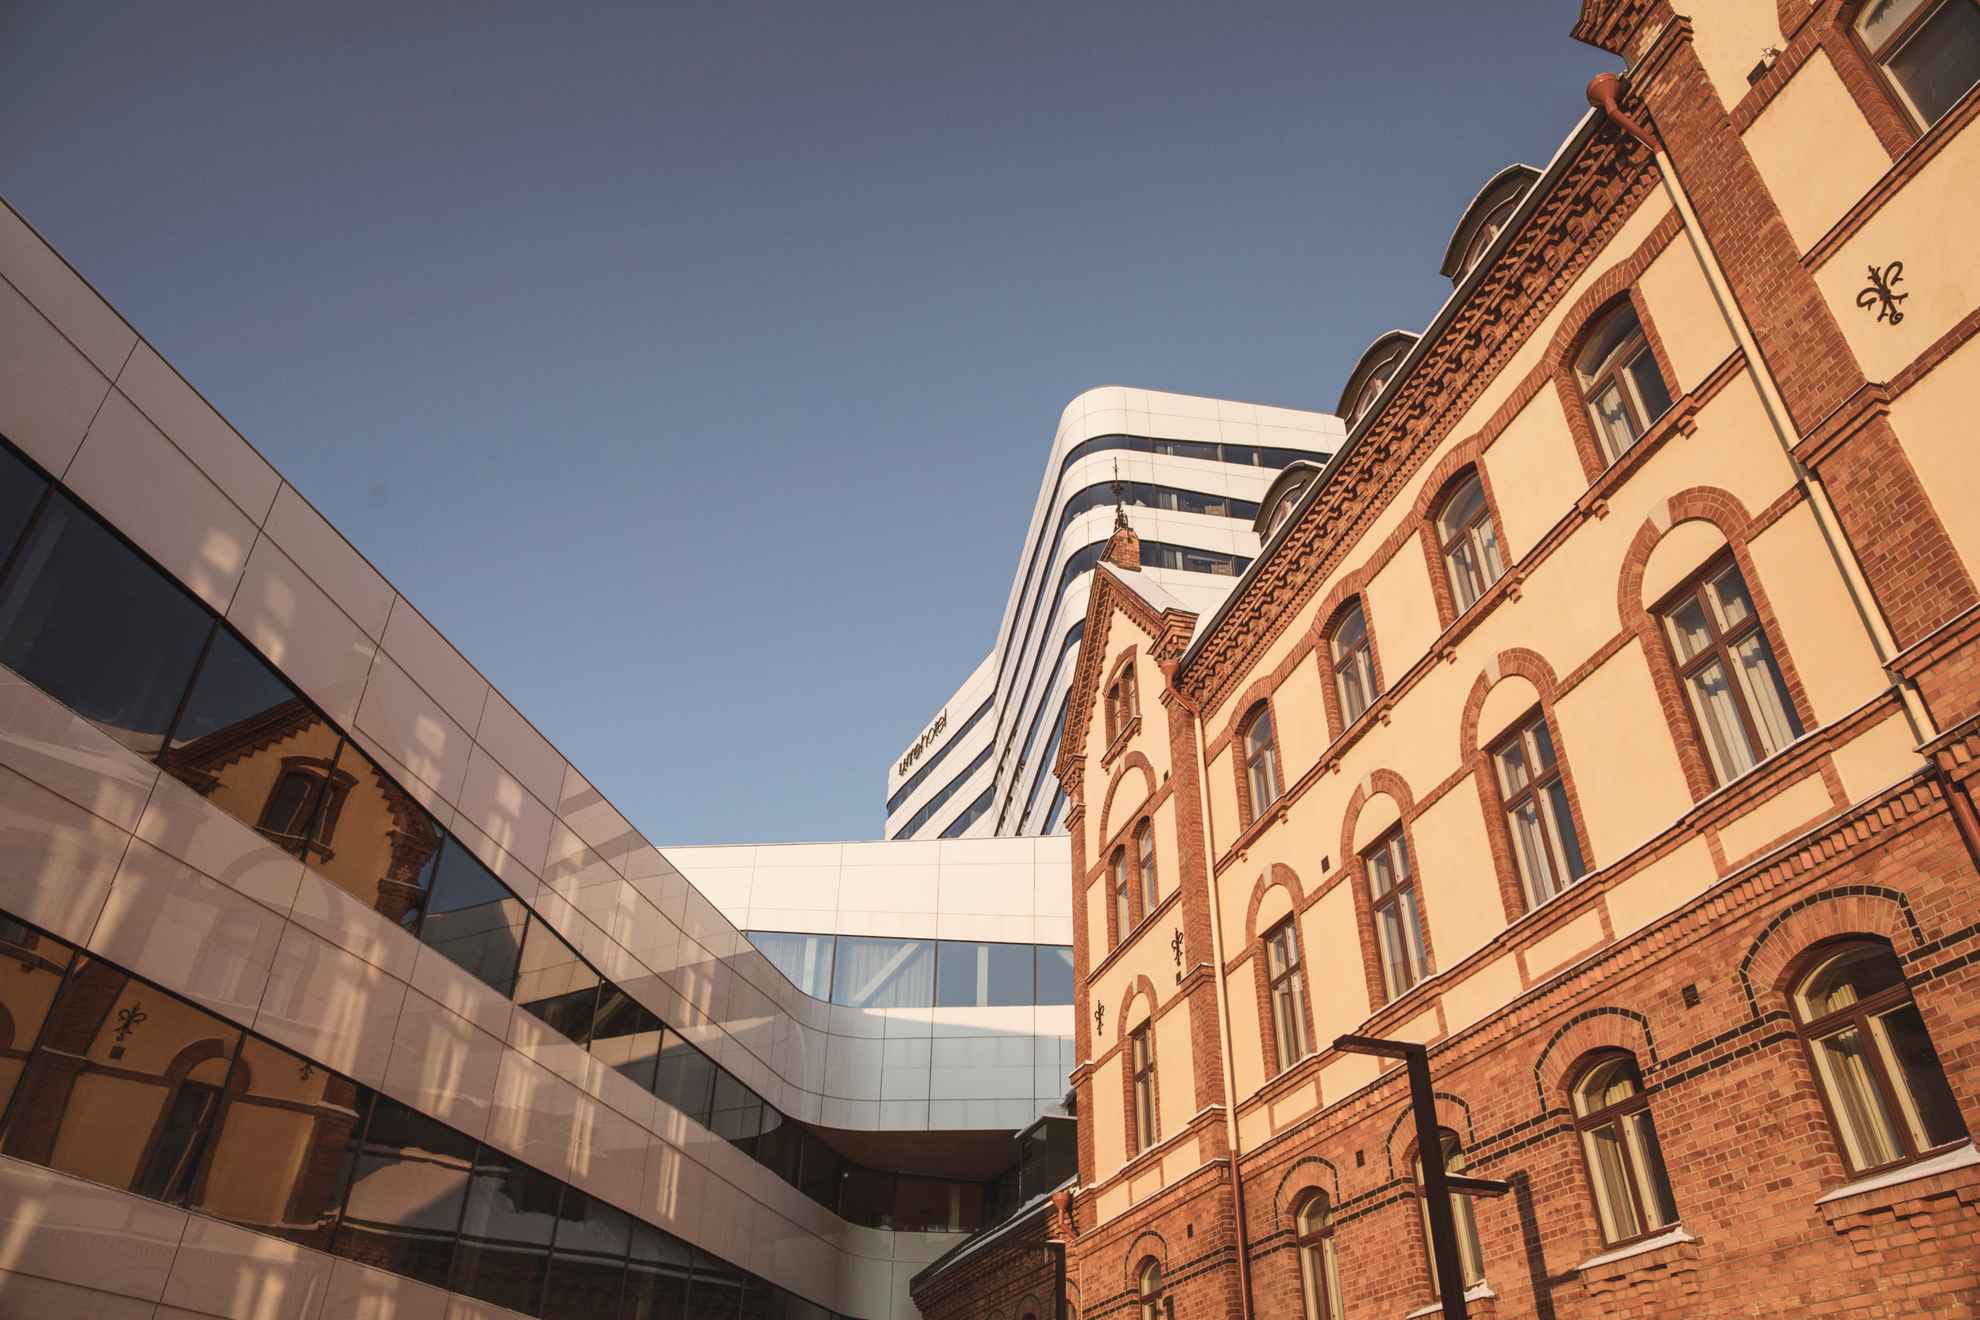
(1670, 1237)
(1121, 740)
(1962, 1156)
(1477, 1292)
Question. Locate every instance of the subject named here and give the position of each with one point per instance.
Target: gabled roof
(1151, 607)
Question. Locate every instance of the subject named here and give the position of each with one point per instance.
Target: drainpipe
(1603, 93)
(1246, 1310)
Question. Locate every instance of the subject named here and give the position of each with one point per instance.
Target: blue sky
(692, 365)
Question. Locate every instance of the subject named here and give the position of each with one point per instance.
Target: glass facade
(93, 622)
(126, 1084)
(876, 972)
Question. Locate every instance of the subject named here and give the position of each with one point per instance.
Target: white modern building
(1192, 472)
(330, 989)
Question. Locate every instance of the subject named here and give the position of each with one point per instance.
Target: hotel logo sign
(933, 732)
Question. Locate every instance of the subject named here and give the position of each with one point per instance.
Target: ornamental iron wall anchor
(1880, 295)
(1176, 947)
(1100, 1019)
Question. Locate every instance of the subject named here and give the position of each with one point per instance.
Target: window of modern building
(1471, 1256)
(1148, 1290)
(737, 1113)
(473, 920)
(1735, 690)
(555, 985)
(778, 1148)
(1625, 1163)
(970, 814)
(1930, 51)
(1882, 1082)
(1545, 845)
(1398, 923)
(86, 619)
(1055, 973)
(978, 975)
(1141, 1057)
(1319, 1273)
(1144, 866)
(587, 1259)
(1620, 381)
(1261, 759)
(869, 972)
(1117, 880)
(684, 1077)
(805, 960)
(1354, 663)
(1470, 543)
(627, 1037)
(21, 492)
(940, 798)
(277, 1101)
(507, 1223)
(407, 1192)
(1287, 987)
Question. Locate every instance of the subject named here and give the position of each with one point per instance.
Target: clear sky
(692, 365)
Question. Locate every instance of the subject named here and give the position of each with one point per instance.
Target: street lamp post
(1438, 1186)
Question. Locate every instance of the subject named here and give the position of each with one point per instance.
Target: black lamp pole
(1438, 1186)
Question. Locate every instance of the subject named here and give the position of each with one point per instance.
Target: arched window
(1620, 381)
(1117, 876)
(1261, 759)
(1319, 1276)
(1929, 51)
(1141, 1063)
(1733, 685)
(1371, 390)
(1625, 1164)
(1398, 920)
(1470, 542)
(1287, 986)
(1537, 814)
(1144, 863)
(1354, 663)
(1284, 509)
(1148, 1290)
(1490, 228)
(1881, 1081)
(1471, 1256)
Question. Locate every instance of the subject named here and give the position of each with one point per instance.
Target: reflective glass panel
(506, 1229)
(406, 1194)
(555, 984)
(737, 1115)
(805, 960)
(21, 488)
(1939, 63)
(884, 973)
(473, 919)
(124, 1086)
(87, 620)
(31, 969)
(380, 845)
(656, 1276)
(1055, 974)
(685, 1078)
(588, 1259)
(981, 975)
(820, 1170)
(626, 1036)
(284, 1147)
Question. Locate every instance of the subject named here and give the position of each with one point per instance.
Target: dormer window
(1620, 381)
(1490, 228)
(1284, 509)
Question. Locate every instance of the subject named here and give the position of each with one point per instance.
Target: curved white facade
(1193, 469)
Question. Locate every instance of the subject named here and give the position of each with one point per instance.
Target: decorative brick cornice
(1610, 24)
(1598, 191)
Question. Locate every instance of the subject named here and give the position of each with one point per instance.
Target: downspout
(1603, 93)
(1246, 1310)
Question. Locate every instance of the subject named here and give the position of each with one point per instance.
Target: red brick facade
(1809, 848)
